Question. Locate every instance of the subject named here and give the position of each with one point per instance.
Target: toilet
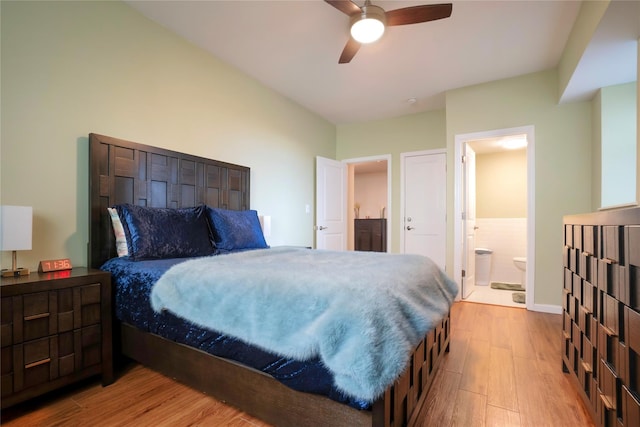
(521, 264)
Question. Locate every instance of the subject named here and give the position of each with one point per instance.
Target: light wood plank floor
(504, 369)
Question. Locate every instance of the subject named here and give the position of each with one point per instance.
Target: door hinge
(463, 273)
(464, 158)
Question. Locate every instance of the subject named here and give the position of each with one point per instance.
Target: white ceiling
(293, 47)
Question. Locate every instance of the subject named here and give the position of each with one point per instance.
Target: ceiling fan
(369, 21)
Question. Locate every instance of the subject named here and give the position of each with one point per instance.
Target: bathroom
(501, 220)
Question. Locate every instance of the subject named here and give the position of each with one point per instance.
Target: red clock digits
(55, 265)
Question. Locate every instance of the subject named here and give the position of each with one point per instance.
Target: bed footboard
(262, 396)
(401, 403)
(247, 389)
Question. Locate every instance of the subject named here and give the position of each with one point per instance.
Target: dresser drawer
(86, 305)
(633, 262)
(32, 316)
(613, 243)
(41, 314)
(630, 408)
(6, 322)
(46, 359)
(589, 239)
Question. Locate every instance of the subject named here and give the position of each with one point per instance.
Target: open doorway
(369, 203)
(494, 255)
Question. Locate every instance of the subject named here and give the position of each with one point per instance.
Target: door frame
(468, 168)
(460, 140)
(350, 196)
(403, 156)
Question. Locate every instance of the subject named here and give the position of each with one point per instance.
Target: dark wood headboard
(127, 172)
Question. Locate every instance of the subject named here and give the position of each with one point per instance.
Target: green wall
(415, 132)
(562, 158)
(501, 184)
(596, 151)
(562, 155)
(618, 144)
(587, 21)
(71, 68)
(615, 144)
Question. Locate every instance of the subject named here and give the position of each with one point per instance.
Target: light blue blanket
(362, 313)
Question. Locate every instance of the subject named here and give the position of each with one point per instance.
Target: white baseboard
(546, 308)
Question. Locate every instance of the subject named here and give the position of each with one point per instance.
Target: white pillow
(118, 231)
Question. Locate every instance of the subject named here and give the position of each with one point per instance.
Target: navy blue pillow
(235, 230)
(157, 233)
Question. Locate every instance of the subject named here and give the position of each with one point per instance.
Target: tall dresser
(601, 318)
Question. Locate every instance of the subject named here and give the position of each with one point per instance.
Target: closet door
(424, 205)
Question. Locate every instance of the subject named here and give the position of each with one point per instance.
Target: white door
(331, 204)
(424, 205)
(469, 221)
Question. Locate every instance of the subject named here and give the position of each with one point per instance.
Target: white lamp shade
(265, 223)
(16, 224)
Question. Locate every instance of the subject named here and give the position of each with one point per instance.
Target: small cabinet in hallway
(371, 235)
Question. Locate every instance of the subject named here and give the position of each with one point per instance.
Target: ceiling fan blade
(345, 6)
(417, 14)
(349, 51)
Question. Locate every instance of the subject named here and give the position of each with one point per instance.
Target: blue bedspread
(132, 282)
(360, 313)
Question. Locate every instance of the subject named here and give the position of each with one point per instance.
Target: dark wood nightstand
(56, 329)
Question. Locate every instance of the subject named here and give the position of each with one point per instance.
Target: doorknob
(322, 228)
(410, 227)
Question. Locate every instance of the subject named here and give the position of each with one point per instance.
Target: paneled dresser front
(56, 329)
(601, 319)
(371, 235)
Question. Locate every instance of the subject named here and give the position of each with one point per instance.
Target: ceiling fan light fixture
(368, 26)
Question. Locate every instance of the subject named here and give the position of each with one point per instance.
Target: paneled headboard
(127, 172)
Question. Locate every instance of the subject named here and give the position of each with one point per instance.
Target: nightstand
(56, 329)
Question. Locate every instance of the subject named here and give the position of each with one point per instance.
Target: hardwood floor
(504, 369)
(139, 397)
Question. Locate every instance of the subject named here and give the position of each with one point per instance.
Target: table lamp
(15, 224)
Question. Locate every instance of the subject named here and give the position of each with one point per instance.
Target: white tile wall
(507, 237)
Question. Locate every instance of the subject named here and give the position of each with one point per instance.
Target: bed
(123, 172)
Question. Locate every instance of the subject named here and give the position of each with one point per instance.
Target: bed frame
(127, 172)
